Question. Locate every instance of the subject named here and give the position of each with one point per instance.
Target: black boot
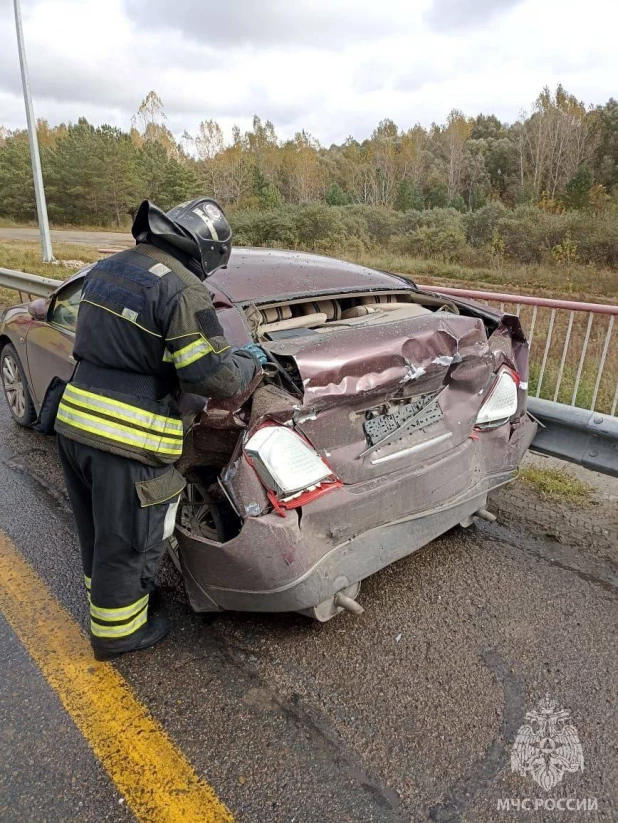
(156, 629)
(155, 600)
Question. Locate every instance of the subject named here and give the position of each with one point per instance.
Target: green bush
(264, 228)
(410, 221)
(380, 223)
(336, 196)
(522, 235)
(525, 234)
(480, 225)
(596, 237)
(318, 226)
(446, 242)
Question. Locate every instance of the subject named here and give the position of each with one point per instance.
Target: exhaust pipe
(345, 602)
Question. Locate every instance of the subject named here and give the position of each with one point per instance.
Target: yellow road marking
(157, 781)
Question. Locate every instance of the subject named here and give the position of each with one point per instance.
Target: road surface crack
(482, 774)
(384, 796)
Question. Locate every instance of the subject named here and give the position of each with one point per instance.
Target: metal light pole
(39, 191)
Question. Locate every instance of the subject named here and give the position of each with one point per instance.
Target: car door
(49, 343)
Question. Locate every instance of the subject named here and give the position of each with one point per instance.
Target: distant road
(99, 239)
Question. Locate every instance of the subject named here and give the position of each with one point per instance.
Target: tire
(15, 386)
(197, 513)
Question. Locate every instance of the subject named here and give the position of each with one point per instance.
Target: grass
(575, 282)
(557, 485)
(584, 283)
(6, 223)
(27, 257)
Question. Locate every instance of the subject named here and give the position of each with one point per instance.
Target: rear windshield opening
(324, 313)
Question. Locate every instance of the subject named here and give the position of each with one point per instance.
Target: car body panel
(14, 326)
(45, 349)
(263, 274)
(292, 563)
(49, 352)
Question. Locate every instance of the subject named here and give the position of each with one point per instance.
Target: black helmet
(198, 228)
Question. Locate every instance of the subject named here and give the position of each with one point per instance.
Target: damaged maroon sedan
(385, 416)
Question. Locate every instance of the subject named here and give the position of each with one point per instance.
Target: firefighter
(146, 328)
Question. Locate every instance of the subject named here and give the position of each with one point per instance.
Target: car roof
(266, 274)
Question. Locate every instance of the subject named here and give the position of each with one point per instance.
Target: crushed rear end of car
(379, 431)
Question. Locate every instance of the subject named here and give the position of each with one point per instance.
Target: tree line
(560, 157)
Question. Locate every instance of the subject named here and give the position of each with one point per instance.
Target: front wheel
(15, 387)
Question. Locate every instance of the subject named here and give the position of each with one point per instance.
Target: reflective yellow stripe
(194, 351)
(197, 334)
(181, 336)
(119, 631)
(196, 356)
(94, 425)
(209, 223)
(148, 769)
(132, 414)
(116, 314)
(88, 582)
(168, 357)
(120, 613)
(106, 426)
(90, 400)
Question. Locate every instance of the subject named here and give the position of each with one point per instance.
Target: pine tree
(120, 184)
(408, 197)
(577, 190)
(336, 196)
(17, 198)
(180, 183)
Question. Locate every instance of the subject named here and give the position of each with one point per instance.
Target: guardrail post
(602, 363)
(582, 359)
(564, 354)
(546, 352)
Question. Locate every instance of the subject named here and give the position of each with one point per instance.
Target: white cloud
(447, 15)
(333, 67)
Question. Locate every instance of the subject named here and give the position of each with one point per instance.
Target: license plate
(376, 428)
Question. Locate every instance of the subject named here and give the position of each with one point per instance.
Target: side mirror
(38, 309)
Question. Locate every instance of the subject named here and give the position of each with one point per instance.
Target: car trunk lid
(379, 398)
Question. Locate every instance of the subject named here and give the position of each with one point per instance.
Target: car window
(66, 305)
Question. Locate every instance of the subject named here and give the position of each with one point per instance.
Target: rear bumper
(294, 563)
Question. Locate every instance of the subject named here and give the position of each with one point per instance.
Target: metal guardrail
(589, 439)
(569, 346)
(28, 284)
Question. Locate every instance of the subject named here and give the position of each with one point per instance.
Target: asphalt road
(100, 239)
(407, 713)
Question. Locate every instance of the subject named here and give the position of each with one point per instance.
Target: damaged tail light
(501, 402)
(288, 466)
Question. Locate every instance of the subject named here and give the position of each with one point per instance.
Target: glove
(257, 352)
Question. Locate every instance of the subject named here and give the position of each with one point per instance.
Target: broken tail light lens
(501, 402)
(292, 471)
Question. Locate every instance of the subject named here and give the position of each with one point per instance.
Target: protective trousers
(124, 511)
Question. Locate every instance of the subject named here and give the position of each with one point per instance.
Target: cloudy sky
(333, 67)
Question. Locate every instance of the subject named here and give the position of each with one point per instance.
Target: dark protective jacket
(146, 327)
